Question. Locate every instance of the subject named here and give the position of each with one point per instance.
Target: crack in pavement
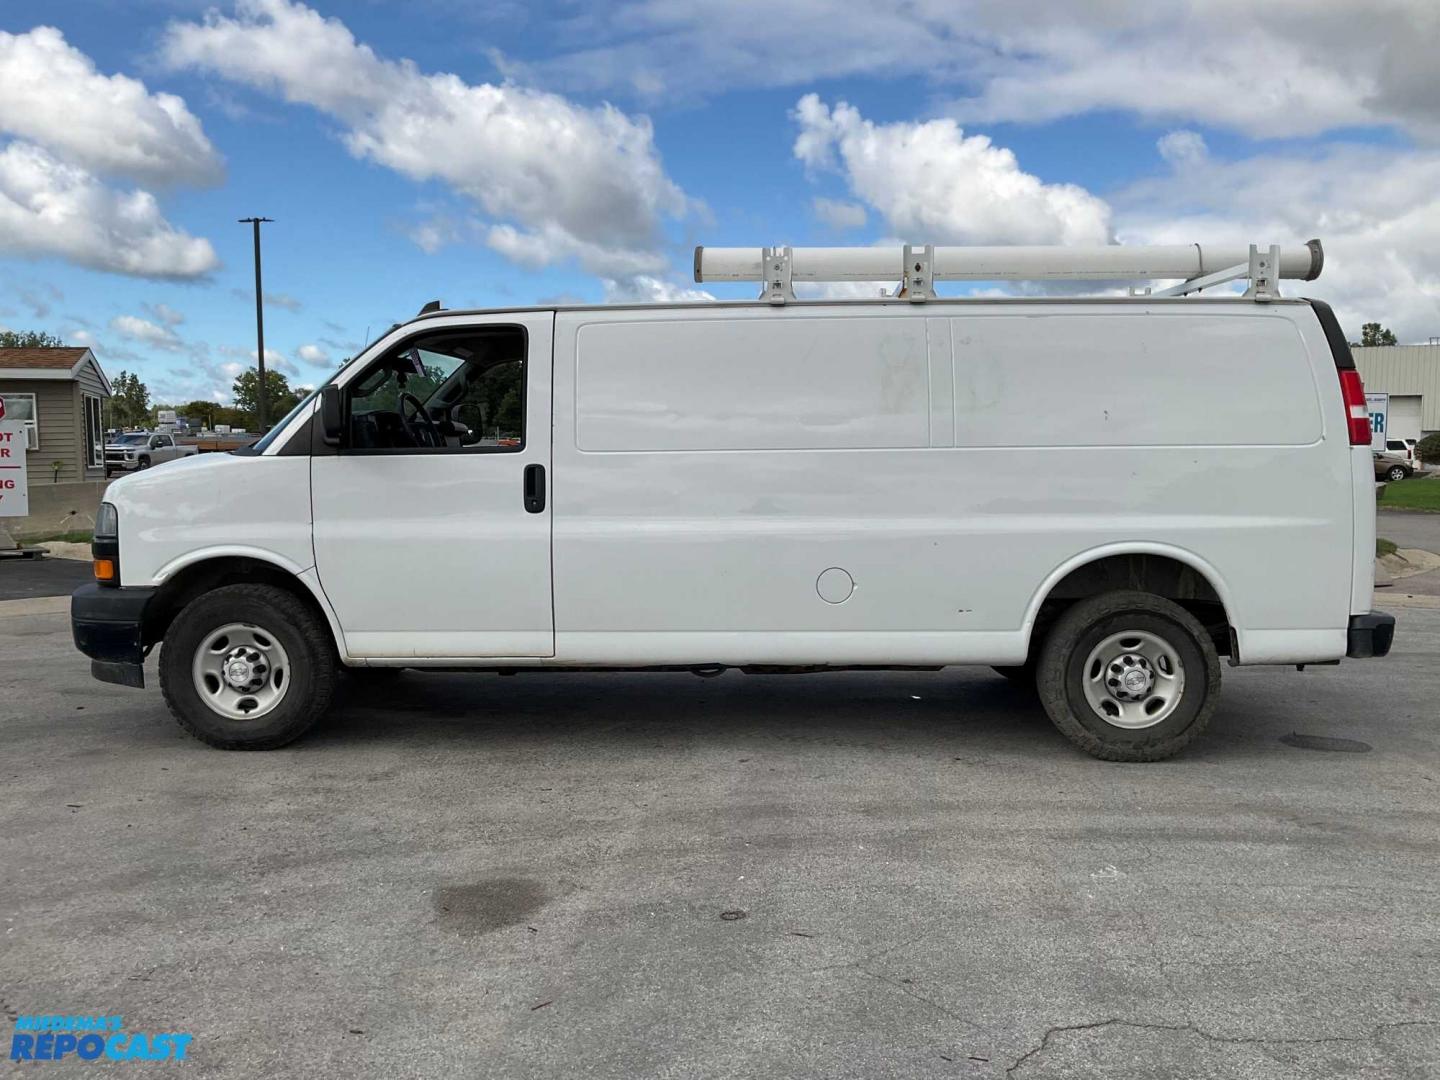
(909, 991)
(1044, 1043)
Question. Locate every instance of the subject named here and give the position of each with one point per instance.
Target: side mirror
(155, 442)
(332, 415)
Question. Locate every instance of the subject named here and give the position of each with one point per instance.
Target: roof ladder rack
(917, 267)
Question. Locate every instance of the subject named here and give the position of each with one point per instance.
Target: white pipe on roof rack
(1117, 262)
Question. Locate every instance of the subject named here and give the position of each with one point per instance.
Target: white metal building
(1410, 374)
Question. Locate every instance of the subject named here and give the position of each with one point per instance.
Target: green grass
(84, 537)
(1412, 494)
(1384, 547)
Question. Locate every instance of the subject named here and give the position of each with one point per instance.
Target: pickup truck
(141, 449)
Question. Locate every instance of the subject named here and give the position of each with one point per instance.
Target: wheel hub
(1130, 678)
(241, 671)
(244, 669)
(1133, 679)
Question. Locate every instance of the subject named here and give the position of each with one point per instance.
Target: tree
(29, 339)
(279, 397)
(1372, 333)
(129, 401)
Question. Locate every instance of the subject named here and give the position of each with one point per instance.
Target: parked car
(1390, 466)
(141, 449)
(773, 487)
(1402, 448)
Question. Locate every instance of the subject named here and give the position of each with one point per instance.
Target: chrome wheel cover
(241, 671)
(1133, 679)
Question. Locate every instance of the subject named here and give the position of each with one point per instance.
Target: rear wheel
(247, 667)
(1397, 472)
(1129, 676)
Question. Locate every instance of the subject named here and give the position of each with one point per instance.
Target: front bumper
(1370, 635)
(106, 623)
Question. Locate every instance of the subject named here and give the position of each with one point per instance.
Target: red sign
(2, 408)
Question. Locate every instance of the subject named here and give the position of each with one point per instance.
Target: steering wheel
(424, 435)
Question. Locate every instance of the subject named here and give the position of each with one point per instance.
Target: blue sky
(506, 153)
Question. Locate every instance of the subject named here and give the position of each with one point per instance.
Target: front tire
(143, 463)
(1129, 676)
(247, 667)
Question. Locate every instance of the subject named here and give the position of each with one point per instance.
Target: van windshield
(262, 444)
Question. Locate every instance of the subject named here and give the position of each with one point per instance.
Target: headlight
(107, 522)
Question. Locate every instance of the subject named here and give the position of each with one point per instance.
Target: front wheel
(1129, 676)
(143, 463)
(247, 667)
(1396, 473)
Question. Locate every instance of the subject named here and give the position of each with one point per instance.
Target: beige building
(60, 394)
(1410, 374)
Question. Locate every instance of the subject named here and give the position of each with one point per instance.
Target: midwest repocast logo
(91, 1038)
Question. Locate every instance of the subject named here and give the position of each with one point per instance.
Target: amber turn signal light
(104, 569)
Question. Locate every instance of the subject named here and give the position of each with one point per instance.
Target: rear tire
(247, 667)
(1396, 473)
(1129, 676)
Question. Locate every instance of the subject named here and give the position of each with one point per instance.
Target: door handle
(535, 488)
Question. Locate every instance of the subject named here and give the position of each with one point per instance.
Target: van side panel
(718, 473)
(1133, 378)
(752, 385)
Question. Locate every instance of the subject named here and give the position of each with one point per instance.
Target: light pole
(254, 222)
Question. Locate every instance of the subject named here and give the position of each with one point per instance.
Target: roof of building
(62, 358)
(59, 364)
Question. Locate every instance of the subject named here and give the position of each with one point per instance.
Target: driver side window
(457, 391)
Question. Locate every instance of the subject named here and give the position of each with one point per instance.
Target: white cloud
(274, 360)
(40, 299)
(1183, 149)
(558, 179)
(284, 301)
(839, 214)
(551, 244)
(645, 289)
(313, 354)
(1287, 67)
(50, 208)
(51, 95)
(164, 314)
(1379, 222)
(72, 122)
(143, 332)
(934, 183)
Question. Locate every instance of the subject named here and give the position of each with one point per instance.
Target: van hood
(151, 483)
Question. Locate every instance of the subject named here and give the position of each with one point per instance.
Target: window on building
(22, 407)
(94, 433)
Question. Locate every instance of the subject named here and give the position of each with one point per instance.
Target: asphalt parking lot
(539, 876)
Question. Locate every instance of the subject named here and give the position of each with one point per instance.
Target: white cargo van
(1104, 496)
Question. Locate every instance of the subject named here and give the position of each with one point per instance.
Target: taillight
(1356, 411)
